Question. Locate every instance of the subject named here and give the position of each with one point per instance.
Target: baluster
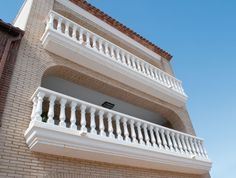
(39, 108)
(100, 46)
(138, 66)
(62, 116)
(162, 131)
(123, 58)
(92, 121)
(118, 130)
(94, 45)
(81, 34)
(67, 28)
(146, 136)
(196, 146)
(52, 99)
(74, 37)
(156, 75)
(191, 145)
(140, 136)
(106, 49)
(128, 60)
(179, 143)
(200, 147)
(172, 134)
(73, 105)
(152, 73)
(153, 139)
(110, 127)
(34, 108)
(169, 140)
(184, 144)
(142, 68)
(83, 118)
(101, 123)
(59, 22)
(158, 138)
(87, 42)
(126, 132)
(50, 21)
(118, 55)
(133, 134)
(147, 70)
(112, 52)
(204, 150)
(133, 63)
(187, 144)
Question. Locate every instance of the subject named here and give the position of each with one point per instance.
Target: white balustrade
(102, 122)
(113, 52)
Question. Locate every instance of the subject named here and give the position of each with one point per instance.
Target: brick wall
(32, 64)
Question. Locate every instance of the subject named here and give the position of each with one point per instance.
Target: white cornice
(107, 28)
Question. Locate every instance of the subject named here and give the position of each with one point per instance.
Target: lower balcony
(66, 126)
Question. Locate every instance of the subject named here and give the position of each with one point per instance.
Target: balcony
(66, 126)
(70, 40)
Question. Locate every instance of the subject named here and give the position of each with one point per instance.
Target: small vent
(108, 105)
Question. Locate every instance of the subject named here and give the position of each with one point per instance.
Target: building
(91, 98)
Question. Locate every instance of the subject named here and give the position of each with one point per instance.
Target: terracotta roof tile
(109, 20)
(9, 28)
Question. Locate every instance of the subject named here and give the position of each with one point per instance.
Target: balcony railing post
(101, 123)
(67, 26)
(50, 21)
(179, 143)
(110, 126)
(169, 140)
(87, 42)
(74, 35)
(59, 23)
(92, 121)
(52, 99)
(81, 34)
(35, 101)
(62, 116)
(83, 118)
(39, 108)
(73, 116)
(187, 144)
(126, 132)
(159, 142)
(140, 136)
(133, 134)
(173, 138)
(183, 144)
(118, 130)
(162, 131)
(146, 136)
(196, 147)
(153, 139)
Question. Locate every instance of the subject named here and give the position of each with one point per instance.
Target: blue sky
(201, 35)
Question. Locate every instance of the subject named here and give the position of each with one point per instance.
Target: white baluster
(156, 75)
(140, 136)
(112, 52)
(147, 69)
(50, 21)
(191, 145)
(39, 108)
(59, 22)
(196, 147)
(184, 144)
(133, 62)
(106, 49)
(138, 66)
(204, 150)
(52, 99)
(172, 134)
(179, 143)
(162, 131)
(159, 142)
(67, 25)
(81, 35)
(110, 127)
(187, 144)
(126, 132)
(92, 121)
(34, 108)
(128, 60)
(118, 55)
(87, 42)
(123, 58)
(74, 35)
(133, 134)
(100, 46)
(118, 130)
(94, 45)
(62, 116)
(142, 68)
(200, 147)
(153, 139)
(101, 123)
(83, 118)
(146, 136)
(169, 140)
(73, 105)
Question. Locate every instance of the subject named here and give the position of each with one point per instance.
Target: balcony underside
(55, 140)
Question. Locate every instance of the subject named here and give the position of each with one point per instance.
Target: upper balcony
(66, 126)
(76, 43)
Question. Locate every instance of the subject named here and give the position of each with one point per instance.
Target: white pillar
(73, 105)
(153, 139)
(39, 106)
(126, 132)
(83, 118)
(92, 121)
(110, 127)
(140, 136)
(133, 134)
(52, 99)
(101, 123)
(62, 116)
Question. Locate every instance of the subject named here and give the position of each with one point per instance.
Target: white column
(94, 45)
(184, 144)
(81, 34)
(140, 136)
(67, 25)
(87, 43)
(34, 108)
(147, 69)
(92, 121)
(128, 60)
(62, 116)
(191, 145)
(162, 131)
(110, 127)
(126, 132)
(73, 105)
(59, 22)
(133, 134)
(179, 143)
(123, 58)
(187, 144)
(112, 52)
(118, 130)
(133, 62)
(118, 55)
(74, 36)
(100, 45)
(106, 49)
(52, 99)
(169, 140)
(153, 139)
(83, 118)
(172, 134)
(196, 146)
(146, 136)
(50, 21)
(101, 123)
(159, 142)
(39, 108)
(200, 147)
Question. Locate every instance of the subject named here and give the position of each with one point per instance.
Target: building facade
(89, 97)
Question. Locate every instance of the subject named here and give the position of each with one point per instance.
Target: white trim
(52, 139)
(108, 28)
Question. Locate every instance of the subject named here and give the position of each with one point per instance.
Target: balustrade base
(56, 140)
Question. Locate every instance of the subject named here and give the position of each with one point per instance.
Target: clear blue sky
(201, 35)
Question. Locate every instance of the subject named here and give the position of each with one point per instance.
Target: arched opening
(91, 89)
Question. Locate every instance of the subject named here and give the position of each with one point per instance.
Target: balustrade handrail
(60, 95)
(143, 67)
